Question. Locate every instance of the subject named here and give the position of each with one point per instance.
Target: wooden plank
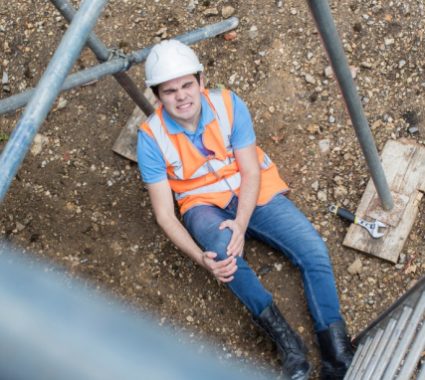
(126, 143)
(404, 165)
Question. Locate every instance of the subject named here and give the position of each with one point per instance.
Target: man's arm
(163, 206)
(249, 169)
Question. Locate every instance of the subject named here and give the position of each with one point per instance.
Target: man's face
(181, 98)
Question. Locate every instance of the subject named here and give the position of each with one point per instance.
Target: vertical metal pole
(47, 90)
(102, 54)
(326, 26)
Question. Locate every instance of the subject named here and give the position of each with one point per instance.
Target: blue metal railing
(47, 90)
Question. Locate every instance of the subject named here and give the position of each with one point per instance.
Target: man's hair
(155, 89)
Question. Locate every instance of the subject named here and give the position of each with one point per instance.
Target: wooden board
(126, 143)
(404, 166)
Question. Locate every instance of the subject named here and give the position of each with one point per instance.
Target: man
(200, 145)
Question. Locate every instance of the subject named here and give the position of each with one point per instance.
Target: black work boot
(290, 346)
(336, 350)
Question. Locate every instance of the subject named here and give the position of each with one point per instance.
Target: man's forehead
(177, 82)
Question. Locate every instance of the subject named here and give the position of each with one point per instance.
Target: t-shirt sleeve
(150, 159)
(243, 130)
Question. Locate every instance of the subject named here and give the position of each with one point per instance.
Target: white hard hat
(168, 60)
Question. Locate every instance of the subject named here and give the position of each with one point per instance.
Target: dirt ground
(78, 205)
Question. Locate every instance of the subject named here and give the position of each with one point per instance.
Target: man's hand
(222, 270)
(237, 242)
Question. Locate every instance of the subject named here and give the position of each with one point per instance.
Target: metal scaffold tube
(102, 54)
(120, 64)
(327, 29)
(56, 327)
(47, 90)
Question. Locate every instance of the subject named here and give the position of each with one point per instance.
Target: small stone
(209, 12)
(324, 146)
(309, 79)
(340, 191)
(116, 247)
(192, 5)
(39, 142)
(189, 318)
(232, 78)
(356, 267)
(278, 266)
(315, 185)
(272, 109)
(227, 11)
(388, 41)
(253, 32)
(354, 70)
(328, 72)
(62, 102)
(313, 128)
(293, 11)
(162, 32)
(401, 63)
(331, 119)
(6, 47)
(264, 270)
(19, 227)
(5, 78)
(230, 36)
(338, 180)
(321, 196)
(413, 130)
(366, 65)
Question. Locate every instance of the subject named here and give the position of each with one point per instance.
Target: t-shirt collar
(207, 116)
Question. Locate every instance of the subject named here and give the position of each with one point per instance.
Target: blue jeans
(281, 225)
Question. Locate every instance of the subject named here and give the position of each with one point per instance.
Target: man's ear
(202, 82)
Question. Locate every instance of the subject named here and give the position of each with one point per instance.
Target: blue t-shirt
(150, 159)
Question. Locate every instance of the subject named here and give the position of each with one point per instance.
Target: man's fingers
(225, 268)
(230, 261)
(235, 246)
(226, 279)
(222, 270)
(210, 255)
(225, 224)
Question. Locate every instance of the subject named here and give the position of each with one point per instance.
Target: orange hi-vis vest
(196, 179)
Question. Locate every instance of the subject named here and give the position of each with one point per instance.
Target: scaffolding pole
(120, 64)
(47, 90)
(325, 24)
(102, 54)
(56, 327)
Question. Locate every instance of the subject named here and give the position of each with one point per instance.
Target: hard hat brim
(181, 73)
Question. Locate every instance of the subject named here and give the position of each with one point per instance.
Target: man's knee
(218, 240)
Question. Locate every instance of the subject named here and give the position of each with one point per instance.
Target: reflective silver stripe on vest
(168, 150)
(217, 100)
(233, 182)
(266, 162)
(212, 165)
